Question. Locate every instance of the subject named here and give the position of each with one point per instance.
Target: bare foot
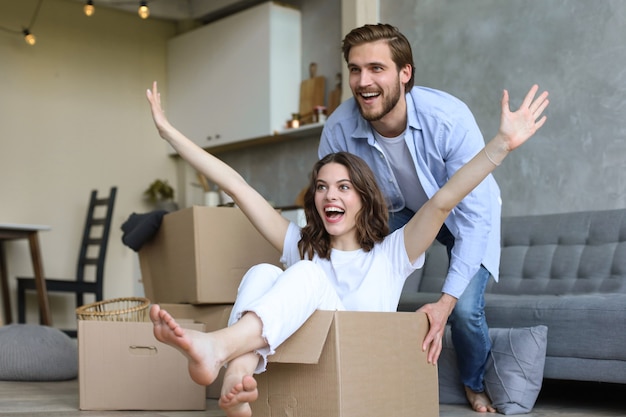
(236, 401)
(479, 401)
(198, 347)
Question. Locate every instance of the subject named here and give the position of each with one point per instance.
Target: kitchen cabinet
(236, 79)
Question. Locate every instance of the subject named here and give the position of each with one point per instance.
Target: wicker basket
(117, 309)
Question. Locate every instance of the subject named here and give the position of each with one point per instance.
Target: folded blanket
(140, 228)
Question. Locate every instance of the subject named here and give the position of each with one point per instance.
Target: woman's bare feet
(479, 401)
(239, 388)
(198, 347)
(236, 401)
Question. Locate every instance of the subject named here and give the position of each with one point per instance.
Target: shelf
(279, 136)
(301, 131)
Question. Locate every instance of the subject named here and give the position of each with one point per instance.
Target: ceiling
(179, 10)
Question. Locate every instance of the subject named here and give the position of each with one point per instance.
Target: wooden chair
(92, 253)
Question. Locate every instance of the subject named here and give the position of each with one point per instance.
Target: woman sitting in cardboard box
(343, 259)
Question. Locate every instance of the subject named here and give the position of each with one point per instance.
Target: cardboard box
(213, 316)
(123, 367)
(200, 254)
(351, 364)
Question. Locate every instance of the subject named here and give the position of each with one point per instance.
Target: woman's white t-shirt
(364, 281)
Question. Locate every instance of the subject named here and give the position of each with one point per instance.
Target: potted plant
(161, 194)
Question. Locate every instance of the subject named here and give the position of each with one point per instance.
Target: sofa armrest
(411, 301)
(435, 269)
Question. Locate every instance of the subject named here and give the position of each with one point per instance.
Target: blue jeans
(470, 334)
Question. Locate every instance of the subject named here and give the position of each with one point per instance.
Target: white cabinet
(236, 79)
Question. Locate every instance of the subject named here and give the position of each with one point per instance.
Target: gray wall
(575, 49)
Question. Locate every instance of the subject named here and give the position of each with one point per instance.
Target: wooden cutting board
(311, 94)
(334, 97)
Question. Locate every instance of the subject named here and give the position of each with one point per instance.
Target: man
(415, 139)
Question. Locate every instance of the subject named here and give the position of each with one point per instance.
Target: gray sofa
(565, 271)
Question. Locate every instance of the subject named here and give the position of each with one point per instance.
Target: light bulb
(29, 37)
(89, 9)
(143, 11)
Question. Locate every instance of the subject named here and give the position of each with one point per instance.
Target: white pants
(283, 300)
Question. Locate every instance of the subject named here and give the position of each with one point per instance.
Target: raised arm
(271, 224)
(515, 129)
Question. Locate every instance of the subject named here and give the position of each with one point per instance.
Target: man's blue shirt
(442, 135)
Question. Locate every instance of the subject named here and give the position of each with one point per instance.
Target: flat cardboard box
(351, 364)
(123, 367)
(200, 254)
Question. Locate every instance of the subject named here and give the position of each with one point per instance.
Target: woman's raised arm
(269, 222)
(515, 129)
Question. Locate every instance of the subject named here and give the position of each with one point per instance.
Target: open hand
(158, 115)
(516, 127)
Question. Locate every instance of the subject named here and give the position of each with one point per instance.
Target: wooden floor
(557, 399)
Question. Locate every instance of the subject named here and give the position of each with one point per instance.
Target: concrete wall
(575, 49)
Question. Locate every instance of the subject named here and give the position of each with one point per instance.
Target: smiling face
(344, 207)
(338, 203)
(376, 82)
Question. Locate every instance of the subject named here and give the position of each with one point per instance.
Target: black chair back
(93, 247)
(92, 254)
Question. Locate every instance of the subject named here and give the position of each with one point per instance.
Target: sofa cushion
(564, 253)
(514, 371)
(30, 352)
(568, 317)
(411, 301)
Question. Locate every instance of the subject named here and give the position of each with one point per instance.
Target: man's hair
(371, 221)
(401, 52)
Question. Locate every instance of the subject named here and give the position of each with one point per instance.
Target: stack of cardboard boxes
(338, 364)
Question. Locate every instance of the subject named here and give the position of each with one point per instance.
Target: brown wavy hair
(372, 221)
(401, 52)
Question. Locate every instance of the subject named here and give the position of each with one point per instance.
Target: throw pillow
(514, 371)
(30, 352)
(515, 368)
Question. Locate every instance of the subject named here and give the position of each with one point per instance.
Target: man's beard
(389, 102)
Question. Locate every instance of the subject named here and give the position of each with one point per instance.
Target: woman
(341, 260)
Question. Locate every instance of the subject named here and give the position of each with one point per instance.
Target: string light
(29, 37)
(143, 11)
(89, 8)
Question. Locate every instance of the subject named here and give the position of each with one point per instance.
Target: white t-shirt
(365, 281)
(403, 168)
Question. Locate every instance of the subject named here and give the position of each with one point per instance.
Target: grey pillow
(514, 372)
(29, 352)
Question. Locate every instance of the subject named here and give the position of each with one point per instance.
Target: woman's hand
(158, 115)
